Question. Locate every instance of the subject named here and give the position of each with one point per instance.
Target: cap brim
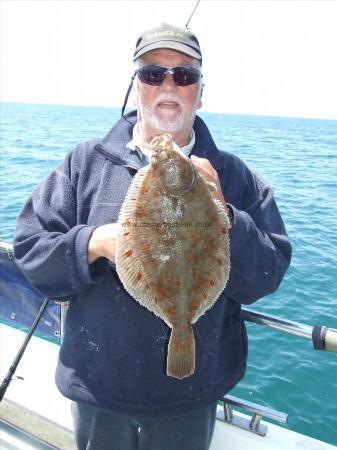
(177, 46)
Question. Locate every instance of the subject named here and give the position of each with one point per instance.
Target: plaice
(172, 248)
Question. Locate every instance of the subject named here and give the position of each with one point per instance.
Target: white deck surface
(38, 392)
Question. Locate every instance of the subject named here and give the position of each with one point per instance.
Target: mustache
(163, 97)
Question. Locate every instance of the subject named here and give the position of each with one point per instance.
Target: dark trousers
(97, 429)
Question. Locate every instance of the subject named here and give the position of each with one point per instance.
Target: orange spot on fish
(193, 306)
(224, 230)
(189, 257)
(177, 283)
(146, 248)
(139, 276)
(205, 296)
(161, 291)
(212, 282)
(127, 233)
(208, 246)
(194, 236)
(128, 253)
(141, 212)
(219, 262)
(170, 311)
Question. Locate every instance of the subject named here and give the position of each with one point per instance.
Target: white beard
(164, 124)
(168, 121)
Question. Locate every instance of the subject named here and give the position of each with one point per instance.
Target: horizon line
(128, 109)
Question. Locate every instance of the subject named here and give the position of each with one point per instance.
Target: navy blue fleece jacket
(114, 350)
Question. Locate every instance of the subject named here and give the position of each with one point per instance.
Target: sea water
(298, 158)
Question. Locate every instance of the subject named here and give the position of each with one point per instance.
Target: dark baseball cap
(168, 36)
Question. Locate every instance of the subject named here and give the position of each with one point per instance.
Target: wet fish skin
(172, 250)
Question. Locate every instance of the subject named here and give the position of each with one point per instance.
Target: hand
(102, 242)
(210, 175)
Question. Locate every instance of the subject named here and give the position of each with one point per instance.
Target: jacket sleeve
(259, 246)
(50, 247)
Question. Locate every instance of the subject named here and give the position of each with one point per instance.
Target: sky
(259, 57)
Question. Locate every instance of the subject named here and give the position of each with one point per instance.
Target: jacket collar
(113, 145)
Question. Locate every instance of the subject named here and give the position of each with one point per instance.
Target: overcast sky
(259, 57)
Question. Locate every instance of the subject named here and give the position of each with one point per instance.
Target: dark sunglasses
(182, 75)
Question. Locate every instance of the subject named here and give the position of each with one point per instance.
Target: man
(112, 359)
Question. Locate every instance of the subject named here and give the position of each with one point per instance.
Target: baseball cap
(168, 36)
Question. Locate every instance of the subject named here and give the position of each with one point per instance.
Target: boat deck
(34, 415)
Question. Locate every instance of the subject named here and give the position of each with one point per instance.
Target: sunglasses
(155, 75)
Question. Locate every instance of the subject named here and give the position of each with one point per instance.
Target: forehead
(167, 57)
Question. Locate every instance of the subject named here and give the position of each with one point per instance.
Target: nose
(168, 83)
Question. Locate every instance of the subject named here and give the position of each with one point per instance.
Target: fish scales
(172, 248)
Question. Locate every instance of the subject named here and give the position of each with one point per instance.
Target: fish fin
(181, 354)
(128, 207)
(220, 273)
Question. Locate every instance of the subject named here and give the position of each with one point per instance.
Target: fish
(172, 247)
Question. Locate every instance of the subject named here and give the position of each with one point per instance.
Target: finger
(200, 166)
(204, 163)
(207, 173)
(204, 173)
(210, 175)
(199, 161)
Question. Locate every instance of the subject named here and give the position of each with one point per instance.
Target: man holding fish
(81, 237)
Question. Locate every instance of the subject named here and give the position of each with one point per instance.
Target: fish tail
(181, 353)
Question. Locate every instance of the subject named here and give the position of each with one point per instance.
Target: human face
(167, 107)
